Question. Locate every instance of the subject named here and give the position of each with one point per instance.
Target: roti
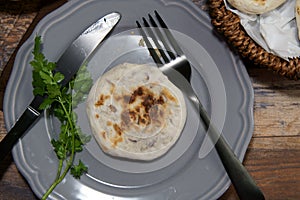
(297, 14)
(256, 6)
(135, 112)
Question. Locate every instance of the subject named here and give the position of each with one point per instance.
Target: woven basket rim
(228, 24)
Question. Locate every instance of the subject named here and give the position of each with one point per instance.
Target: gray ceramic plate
(191, 169)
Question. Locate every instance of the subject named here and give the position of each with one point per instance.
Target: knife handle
(21, 125)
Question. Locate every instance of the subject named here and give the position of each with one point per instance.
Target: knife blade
(68, 64)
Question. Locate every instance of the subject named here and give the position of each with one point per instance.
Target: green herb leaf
(58, 77)
(59, 148)
(46, 103)
(61, 100)
(79, 169)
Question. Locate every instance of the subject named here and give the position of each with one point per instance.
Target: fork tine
(169, 35)
(154, 38)
(149, 45)
(185, 71)
(162, 38)
(165, 36)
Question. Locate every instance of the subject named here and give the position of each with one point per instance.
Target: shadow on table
(14, 7)
(5, 165)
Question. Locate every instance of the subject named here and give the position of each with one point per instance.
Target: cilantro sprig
(61, 100)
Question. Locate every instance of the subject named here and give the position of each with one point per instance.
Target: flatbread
(297, 14)
(135, 112)
(256, 6)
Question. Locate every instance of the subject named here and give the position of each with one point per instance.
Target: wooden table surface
(272, 158)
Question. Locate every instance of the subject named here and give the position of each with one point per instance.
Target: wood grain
(25, 15)
(12, 184)
(277, 104)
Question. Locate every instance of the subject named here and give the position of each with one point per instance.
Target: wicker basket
(228, 24)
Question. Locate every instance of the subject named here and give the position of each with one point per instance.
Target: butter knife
(68, 64)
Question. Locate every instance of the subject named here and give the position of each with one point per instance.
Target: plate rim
(29, 43)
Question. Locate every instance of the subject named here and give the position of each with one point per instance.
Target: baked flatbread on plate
(256, 6)
(297, 14)
(135, 112)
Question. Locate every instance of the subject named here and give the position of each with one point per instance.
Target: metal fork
(167, 61)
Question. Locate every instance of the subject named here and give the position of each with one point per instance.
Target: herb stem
(60, 166)
(73, 131)
(56, 182)
(46, 83)
(60, 176)
(67, 113)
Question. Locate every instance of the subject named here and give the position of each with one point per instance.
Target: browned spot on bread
(116, 140)
(109, 123)
(168, 95)
(112, 108)
(112, 88)
(117, 129)
(118, 137)
(138, 92)
(103, 134)
(261, 2)
(144, 107)
(101, 100)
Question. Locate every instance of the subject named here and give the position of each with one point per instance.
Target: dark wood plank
(275, 165)
(276, 106)
(12, 184)
(45, 8)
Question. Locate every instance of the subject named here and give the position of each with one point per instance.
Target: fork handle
(243, 183)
